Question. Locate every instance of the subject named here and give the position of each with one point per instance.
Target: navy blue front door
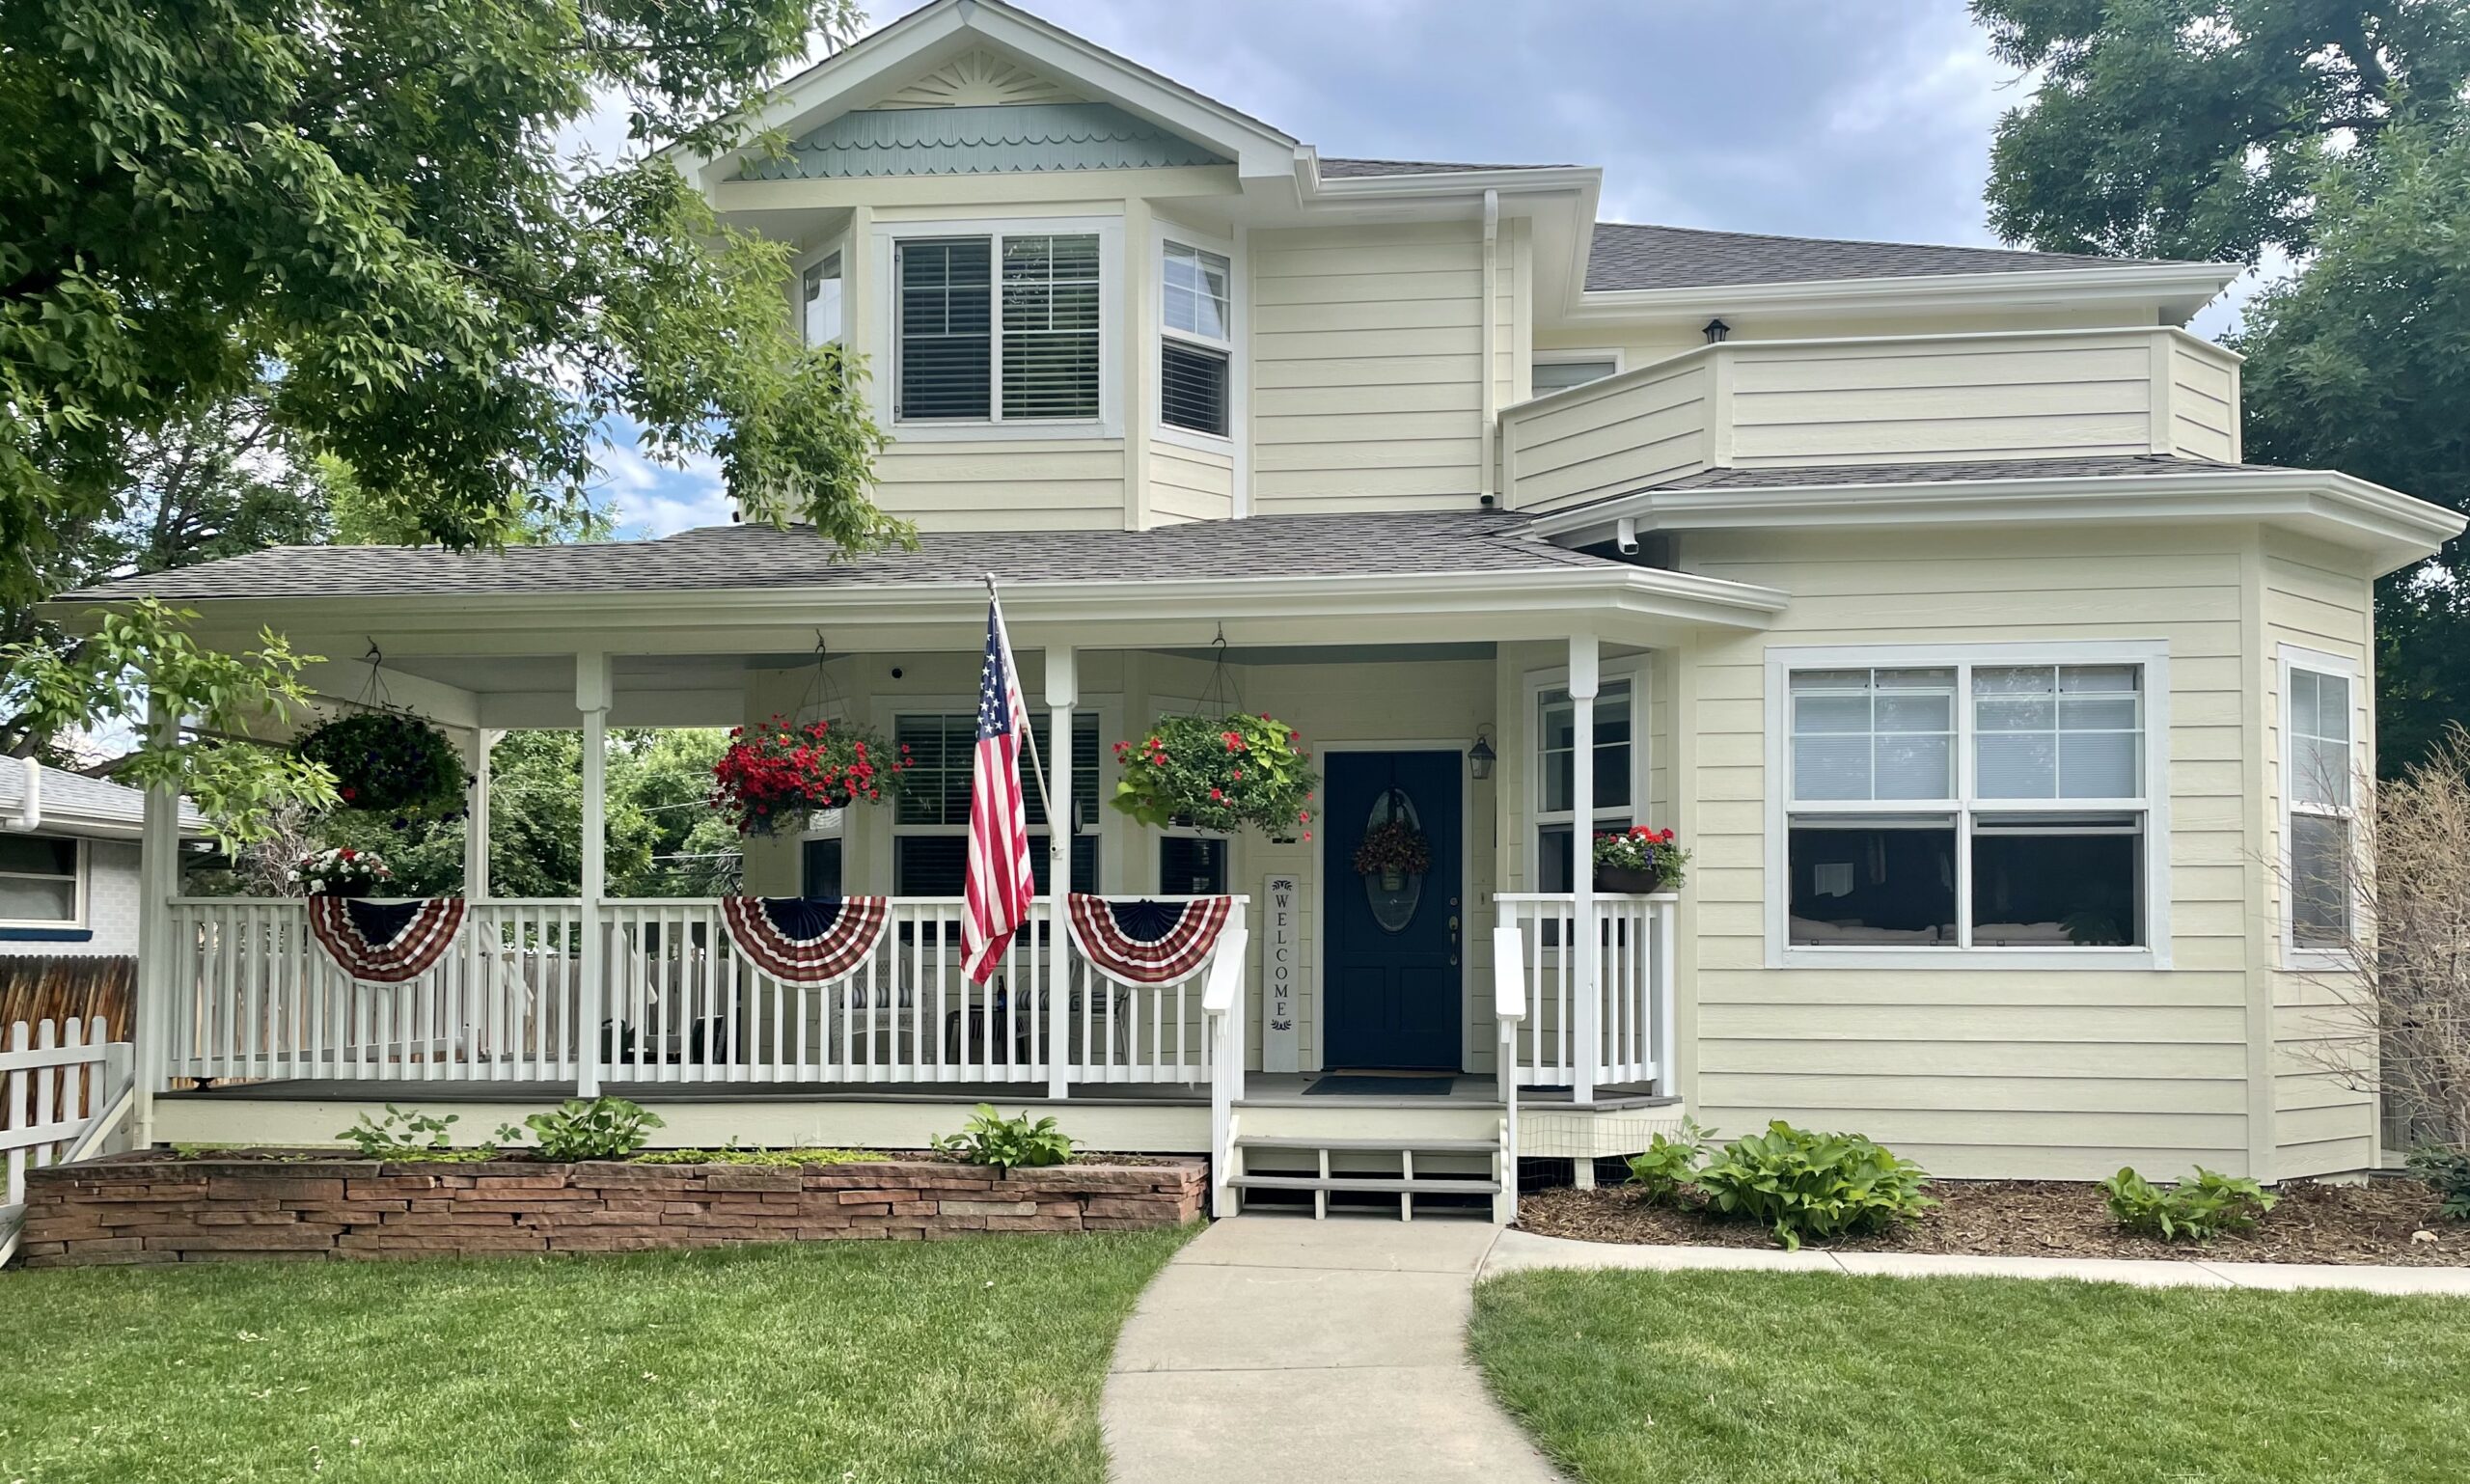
(1393, 994)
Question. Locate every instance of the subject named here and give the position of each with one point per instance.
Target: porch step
(1367, 1154)
(1385, 1183)
(1371, 1145)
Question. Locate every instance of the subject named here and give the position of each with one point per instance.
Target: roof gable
(979, 78)
(1000, 139)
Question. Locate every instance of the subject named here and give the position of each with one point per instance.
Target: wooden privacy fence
(41, 987)
(63, 1082)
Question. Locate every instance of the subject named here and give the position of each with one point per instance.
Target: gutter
(29, 815)
(1884, 296)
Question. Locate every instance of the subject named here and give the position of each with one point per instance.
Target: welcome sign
(1282, 897)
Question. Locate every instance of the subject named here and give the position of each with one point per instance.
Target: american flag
(998, 887)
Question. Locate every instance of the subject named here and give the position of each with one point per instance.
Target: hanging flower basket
(342, 871)
(1219, 773)
(1393, 850)
(1638, 860)
(773, 774)
(388, 762)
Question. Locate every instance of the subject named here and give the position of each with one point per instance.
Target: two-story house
(1921, 589)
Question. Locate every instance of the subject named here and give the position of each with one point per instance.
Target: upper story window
(819, 301)
(963, 352)
(1967, 804)
(1560, 372)
(43, 881)
(2319, 767)
(1196, 348)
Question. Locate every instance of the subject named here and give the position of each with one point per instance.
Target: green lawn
(862, 1362)
(1819, 1379)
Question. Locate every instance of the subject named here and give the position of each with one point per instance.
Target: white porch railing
(257, 997)
(1624, 1035)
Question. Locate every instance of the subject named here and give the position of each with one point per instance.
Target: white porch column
(1587, 1013)
(1063, 692)
(159, 956)
(476, 814)
(593, 688)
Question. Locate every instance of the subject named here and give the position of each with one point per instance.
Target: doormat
(1359, 1085)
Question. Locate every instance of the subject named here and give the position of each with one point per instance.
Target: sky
(1814, 117)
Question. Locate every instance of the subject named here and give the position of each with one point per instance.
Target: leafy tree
(2196, 129)
(356, 212)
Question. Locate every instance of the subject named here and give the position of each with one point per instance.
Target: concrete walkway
(1518, 1249)
(1277, 1347)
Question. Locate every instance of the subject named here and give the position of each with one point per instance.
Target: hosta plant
(1670, 1164)
(2197, 1209)
(601, 1128)
(773, 774)
(1007, 1143)
(1220, 773)
(1801, 1185)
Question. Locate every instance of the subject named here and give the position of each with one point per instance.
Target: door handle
(1453, 929)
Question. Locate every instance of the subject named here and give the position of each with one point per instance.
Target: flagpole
(1012, 668)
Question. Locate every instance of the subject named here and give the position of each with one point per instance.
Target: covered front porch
(1466, 705)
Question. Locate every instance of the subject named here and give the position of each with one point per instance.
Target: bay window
(2318, 788)
(997, 328)
(1999, 798)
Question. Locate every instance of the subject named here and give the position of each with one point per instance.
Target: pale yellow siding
(1610, 437)
(2316, 598)
(1033, 484)
(1979, 1070)
(2204, 402)
(1188, 483)
(1367, 347)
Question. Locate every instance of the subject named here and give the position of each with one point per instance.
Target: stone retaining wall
(148, 1209)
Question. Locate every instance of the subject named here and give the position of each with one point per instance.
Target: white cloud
(646, 499)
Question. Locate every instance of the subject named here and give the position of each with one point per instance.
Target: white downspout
(29, 815)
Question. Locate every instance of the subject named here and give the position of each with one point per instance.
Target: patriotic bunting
(1146, 942)
(806, 941)
(385, 943)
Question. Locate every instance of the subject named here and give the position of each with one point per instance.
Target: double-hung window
(999, 328)
(1611, 755)
(2320, 766)
(930, 812)
(42, 882)
(819, 300)
(2004, 800)
(1195, 339)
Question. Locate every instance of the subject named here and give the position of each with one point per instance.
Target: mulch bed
(2377, 1222)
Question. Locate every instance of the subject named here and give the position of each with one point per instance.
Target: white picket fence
(65, 1084)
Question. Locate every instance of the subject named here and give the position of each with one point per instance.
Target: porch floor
(1274, 1089)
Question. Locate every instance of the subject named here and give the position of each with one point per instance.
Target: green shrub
(2448, 1171)
(407, 1136)
(1670, 1165)
(2197, 1209)
(603, 1128)
(991, 1138)
(778, 1157)
(1799, 1184)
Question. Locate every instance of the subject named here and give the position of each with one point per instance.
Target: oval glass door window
(1393, 894)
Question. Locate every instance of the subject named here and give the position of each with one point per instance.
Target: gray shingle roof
(1629, 256)
(2106, 467)
(73, 798)
(1356, 170)
(1443, 543)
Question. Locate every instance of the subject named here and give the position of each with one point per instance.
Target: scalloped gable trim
(987, 140)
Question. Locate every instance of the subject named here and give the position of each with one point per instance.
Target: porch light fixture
(1715, 332)
(1480, 756)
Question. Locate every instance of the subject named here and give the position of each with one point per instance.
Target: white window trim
(1563, 356)
(2292, 658)
(1238, 345)
(884, 860)
(798, 284)
(81, 884)
(1107, 424)
(1633, 668)
(2151, 655)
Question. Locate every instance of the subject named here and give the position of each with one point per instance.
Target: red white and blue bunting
(1145, 943)
(806, 941)
(385, 943)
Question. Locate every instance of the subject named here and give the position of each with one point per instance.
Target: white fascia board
(650, 623)
(2393, 528)
(2187, 286)
(849, 79)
